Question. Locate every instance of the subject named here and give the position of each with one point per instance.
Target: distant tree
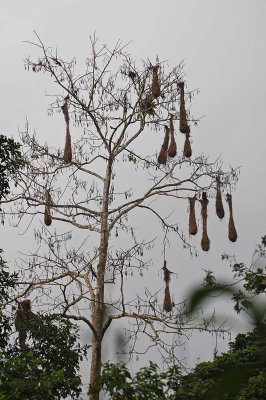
(231, 375)
(252, 277)
(239, 374)
(120, 108)
(247, 287)
(47, 365)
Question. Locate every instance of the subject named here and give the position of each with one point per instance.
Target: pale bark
(98, 306)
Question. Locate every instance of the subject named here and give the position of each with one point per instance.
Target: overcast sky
(223, 45)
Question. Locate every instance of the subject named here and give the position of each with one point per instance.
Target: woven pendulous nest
(172, 146)
(68, 147)
(155, 87)
(205, 242)
(162, 157)
(219, 202)
(187, 147)
(183, 125)
(193, 228)
(232, 234)
(167, 303)
(47, 211)
(166, 273)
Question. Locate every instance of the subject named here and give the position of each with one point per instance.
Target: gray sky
(223, 45)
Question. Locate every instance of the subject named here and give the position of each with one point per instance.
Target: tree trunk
(98, 306)
(96, 358)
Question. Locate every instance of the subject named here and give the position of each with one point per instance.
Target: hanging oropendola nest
(183, 125)
(232, 234)
(219, 202)
(205, 242)
(155, 87)
(65, 110)
(47, 211)
(162, 157)
(172, 146)
(187, 147)
(167, 303)
(68, 148)
(166, 273)
(193, 228)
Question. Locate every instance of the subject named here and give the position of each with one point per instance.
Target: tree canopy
(119, 163)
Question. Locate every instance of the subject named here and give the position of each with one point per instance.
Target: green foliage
(22, 377)
(256, 388)
(209, 279)
(147, 384)
(132, 158)
(253, 281)
(239, 374)
(228, 375)
(253, 276)
(7, 282)
(10, 162)
(48, 366)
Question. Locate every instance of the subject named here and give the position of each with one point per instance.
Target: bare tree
(94, 193)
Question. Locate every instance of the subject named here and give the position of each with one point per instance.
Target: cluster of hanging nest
(193, 228)
(169, 135)
(67, 157)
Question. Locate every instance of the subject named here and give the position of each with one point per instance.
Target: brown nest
(205, 242)
(68, 148)
(162, 157)
(47, 211)
(183, 125)
(232, 233)
(187, 147)
(155, 87)
(166, 273)
(167, 303)
(193, 228)
(172, 146)
(219, 202)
